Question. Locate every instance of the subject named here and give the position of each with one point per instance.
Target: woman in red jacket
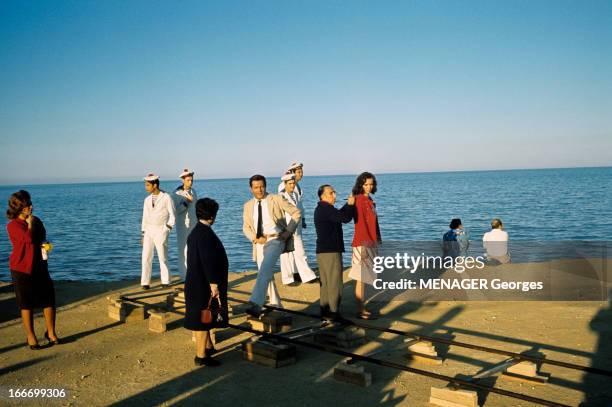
(28, 265)
(365, 241)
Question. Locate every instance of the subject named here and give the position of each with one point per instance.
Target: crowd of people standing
(272, 222)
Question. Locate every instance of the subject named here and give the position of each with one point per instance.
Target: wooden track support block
(269, 354)
(353, 374)
(448, 397)
(423, 351)
(344, 337)
(272, 323)
(158, 321)
(525, 371)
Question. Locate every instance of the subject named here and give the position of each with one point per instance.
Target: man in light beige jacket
(264, 224)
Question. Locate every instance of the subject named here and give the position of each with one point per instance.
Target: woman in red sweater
(365, 241)
(28, 265)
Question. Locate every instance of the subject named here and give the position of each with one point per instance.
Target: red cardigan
(22, 256)
(367, 231)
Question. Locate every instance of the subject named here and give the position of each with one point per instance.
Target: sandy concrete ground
(110, 363)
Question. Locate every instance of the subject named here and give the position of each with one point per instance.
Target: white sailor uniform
(157, 219)
(185, 222)
(295, 261)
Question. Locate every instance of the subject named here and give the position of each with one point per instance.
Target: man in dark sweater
(330, 245)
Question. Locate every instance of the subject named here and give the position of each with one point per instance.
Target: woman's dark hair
(455, 223)
(17, 202)
(361, 179)
(257, 177)
(206, 209)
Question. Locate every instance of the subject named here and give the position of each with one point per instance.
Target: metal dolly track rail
(380, 362)
(519, 356)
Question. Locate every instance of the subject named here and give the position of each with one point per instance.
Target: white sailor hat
(294, 166)
(186, 172)
(151, 177)
(287, 176)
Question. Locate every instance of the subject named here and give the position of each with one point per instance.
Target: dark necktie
(259, 221)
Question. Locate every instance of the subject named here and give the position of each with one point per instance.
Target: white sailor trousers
(267, 256)
(155, 238)
(182, 232)
(295, 261)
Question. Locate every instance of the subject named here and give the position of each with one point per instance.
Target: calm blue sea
(96, 227)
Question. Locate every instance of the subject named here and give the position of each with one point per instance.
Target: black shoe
(206, 361)
(255, 311)
(33, 347)
(210, 351)
(51, 343)
(145, 287)
(314, 281)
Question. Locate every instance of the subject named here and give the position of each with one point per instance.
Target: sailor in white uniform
(157, 222)
(296, 168)
(185, 198)
(295, 261)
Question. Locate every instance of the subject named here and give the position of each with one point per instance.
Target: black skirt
(193, 311)
(34, 290)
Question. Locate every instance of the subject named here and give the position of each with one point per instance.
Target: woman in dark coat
(207, 269)
(29, 270)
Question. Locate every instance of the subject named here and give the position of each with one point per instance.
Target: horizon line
(116, 181)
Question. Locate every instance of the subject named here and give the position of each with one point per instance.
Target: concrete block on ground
(449, 397)
(114, 299)
(353, 374)
(423, 352)
(117, 312)
(423, 347)
(525, 371)
(525, 368)
(157, 321)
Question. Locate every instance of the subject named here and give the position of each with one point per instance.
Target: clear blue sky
(104, 90)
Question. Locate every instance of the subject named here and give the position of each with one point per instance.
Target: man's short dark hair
(322, 189)
(455, 223)
(154, 182)
(257, 177)
(206, 209)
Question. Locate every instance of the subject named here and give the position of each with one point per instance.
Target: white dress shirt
(269, 227)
